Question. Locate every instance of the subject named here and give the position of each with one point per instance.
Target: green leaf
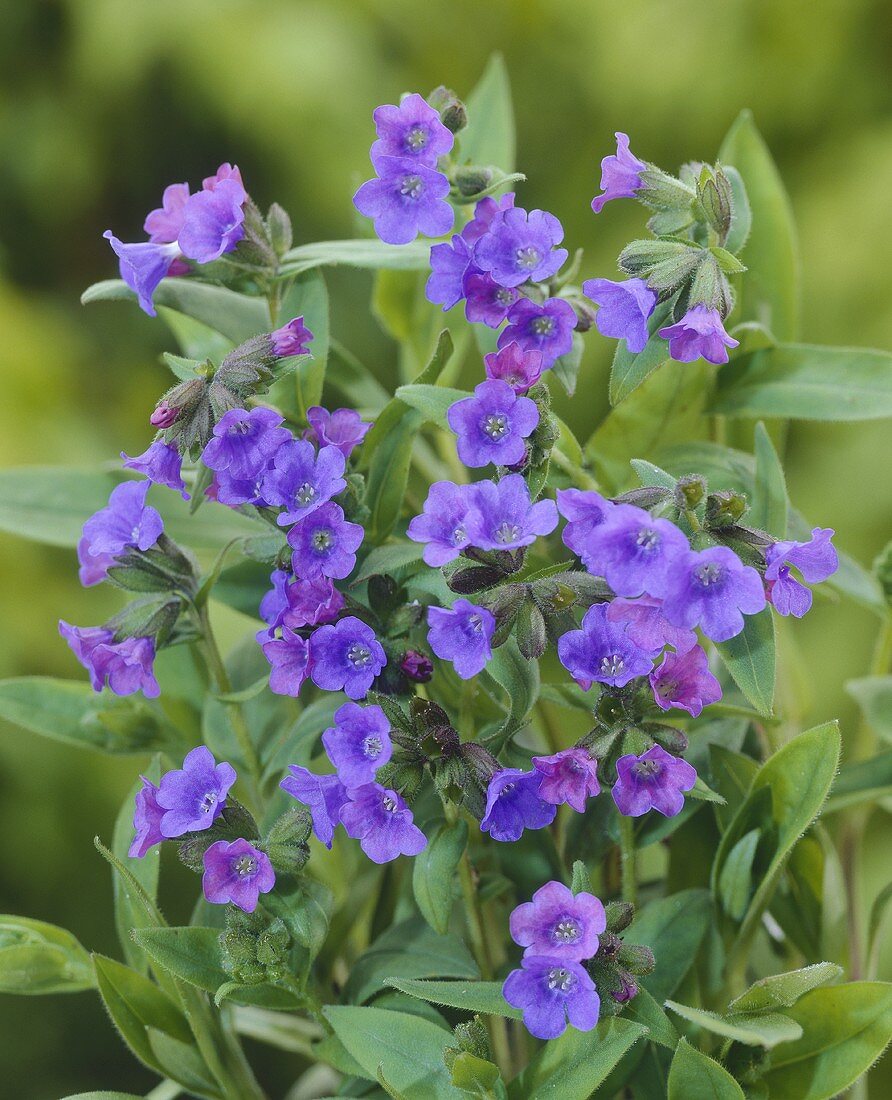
(629, 368)
(392, 558)
(770, 291)
(652, 476)
(695, 1076)
(489, 136)
(307, 297)
(807, 382)
(727, 261)
(704, 793)
(750, 657)
(794, 783)
(234, 315)
(145, 871)
(784, 990)
(481, 997)
(366, 253)
(574, 1065)
(769, 504)
(732, 774)
(38, 958)
(475, 1076)
(520, 680)
(408, 1049)
(873, 694)
(845, 1029)
(410, 949)
(765, 1030)
(181, 368)
(644, 1010)
(741, 214)
(861, 781)
(673, 928)
(566, 367)
(432, 401)
(736, 879)
(433, 872)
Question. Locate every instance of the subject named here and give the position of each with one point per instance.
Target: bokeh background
(105, 101)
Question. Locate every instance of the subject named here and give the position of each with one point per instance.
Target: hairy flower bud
(417, 667)
(453, 113)
(254, 948)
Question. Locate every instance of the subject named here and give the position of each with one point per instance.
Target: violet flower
(683, 680)
(213, 221)
(551, 991)
(700, 334)
(462, 635)
(648, 627)
(620, 174)
(546, 327)
(124, 667)
(444, 524)
(450, 263)
(343, 428)
(655, 780)
(710, 588)
(289, 658)
(635, 553)
(161, 464)
(513, 803)
(520, 369)
(324, 543)
(125, 521)
(244, 442)
(295, 604)
(142, 267)
(492, 425)
(237, 872)
(570, 776)
(521, 247)
(487, 301)
(412, 130)
(358, 743)
(602, 651)
(505, 518)
(323, 795)
(624, 309)
(301, 480)
(559, 924)
(193, 796)
(816, 560)
(147, 816)
(585, 510)
(346, 656)
(93, 567)
(164, 224)
(406, 199)
(382, 823)
(291, 339)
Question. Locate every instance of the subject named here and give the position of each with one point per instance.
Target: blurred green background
(106, 101)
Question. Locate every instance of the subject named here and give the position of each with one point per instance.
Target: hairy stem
(627, 859)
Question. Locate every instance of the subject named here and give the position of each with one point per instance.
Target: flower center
(416, 138)
(561, 980)
(459, 534)
(527, 257)
(496, 426)
(612, 665)
(208, 802)
(134, 534)
(389, 804)
(505, 296)
(411, 187)
(475, 624)
(543, 326)
(709, 573)
(371, 747)
(305, 494)
(321, 540)
(566, 930)
(507, 789)
(245, 865)
(647, 769)
(647, 538)
(667, 688)
(359, 655)
(507, 532)
(241, 428)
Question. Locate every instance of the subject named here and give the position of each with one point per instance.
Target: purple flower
(382, 823)
(700, 334)
(648, 627)
(815, 559)
(620, 174)
(162, 465)
(559, 924)
(193, 796)
(358, 743)
(445, 523)
(346, 656)
(147, 816)
(546, 327)
(406, 199)
(126, 521)
(226, 171)
(302, 481)
(417, 667)
(164, 415)
(487, 300)
(520, 247)
(585, 510)
(294, 603)
(213, 221)
(683, 680)
(93, 567)
(462, 635)
(289, 658)
(413, 131)
(624, 309)
(125, 667)
(323, 795)
(235, 871)
(164, 224)
(653, 781)
(485, 213)
(492, 425)
(634, 552)
(513, 804)
(710, 588)
(343, 428)
(551, 991)
(244, 442)
(324, 543)
(520, 369)
(602, 651)
(569, 776)
(449, 264)
(291, 339)
(505, 519)
(233, 491)
(142, 267)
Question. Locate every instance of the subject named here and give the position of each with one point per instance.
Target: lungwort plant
(494, 798)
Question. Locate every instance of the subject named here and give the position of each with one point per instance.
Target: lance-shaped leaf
(433, 873)
(784, 990)
(756, 1030)
(366, 253)
(873, 694)
(751, 658)
(629, 368)
(37, 958)
(480, 997)
(489, 137)
(769, 505)
(695, 1076)
(673, 928)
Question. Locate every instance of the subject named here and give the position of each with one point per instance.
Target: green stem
(219, 1047)
(627, 859)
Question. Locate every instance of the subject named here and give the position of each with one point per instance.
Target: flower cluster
(358, 744)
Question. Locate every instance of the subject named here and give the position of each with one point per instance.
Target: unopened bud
(417, 667)
(453, 113)
(724, 509)
(627, 989)
(691, 490)
(472, 179)
(619, 915)
(164, 415)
